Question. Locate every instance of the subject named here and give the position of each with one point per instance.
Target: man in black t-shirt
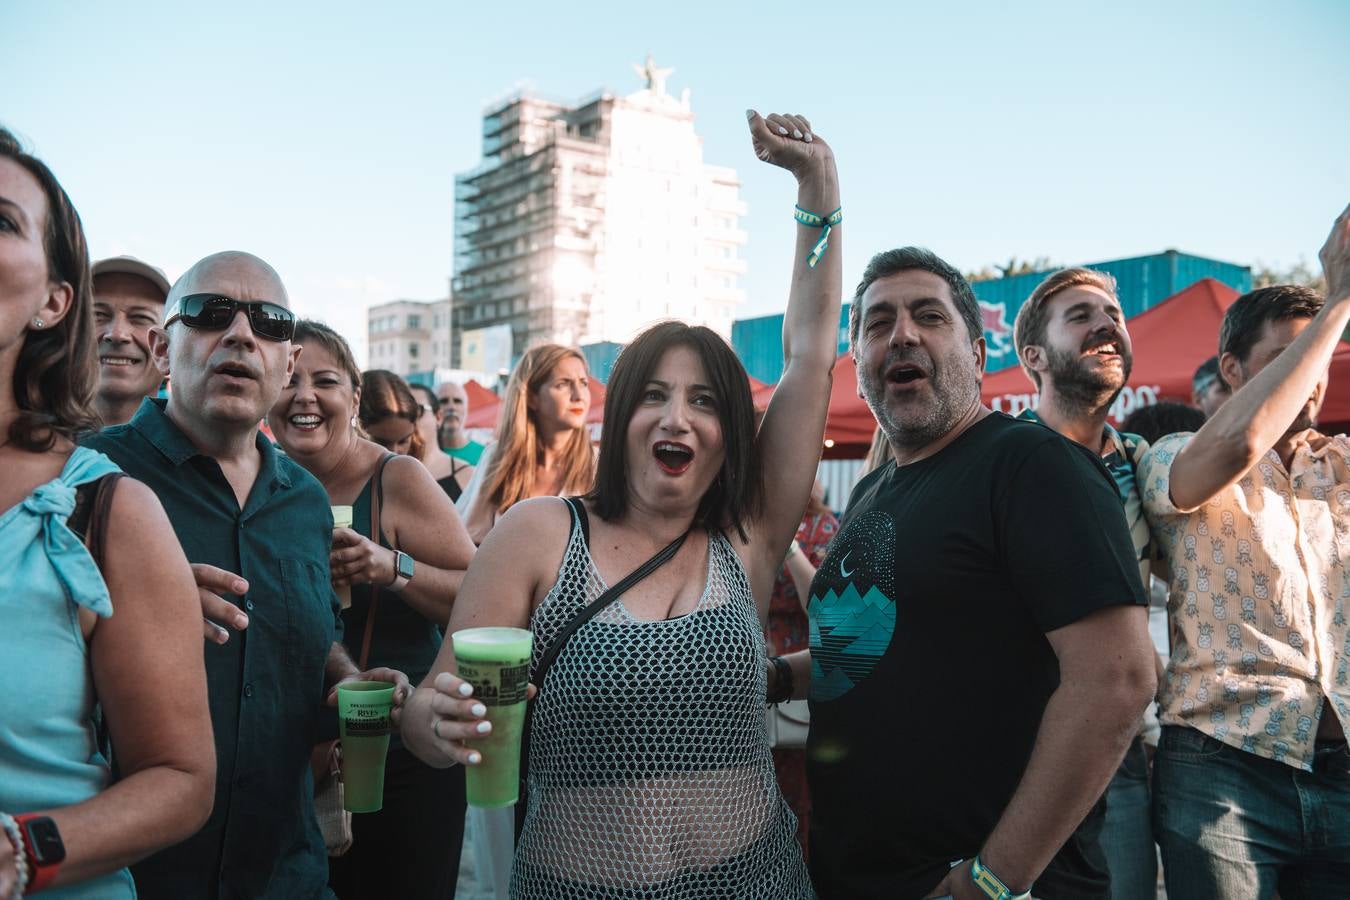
(979, 649)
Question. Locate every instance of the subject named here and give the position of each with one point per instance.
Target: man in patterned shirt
(1252, 778)
(1073, 344)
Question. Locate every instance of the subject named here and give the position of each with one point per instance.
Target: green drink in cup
(342, 518)
(363, 718)
(496, 661)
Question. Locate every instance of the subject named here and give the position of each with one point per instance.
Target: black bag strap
(89, 519)
(376, 535)
(605, 599)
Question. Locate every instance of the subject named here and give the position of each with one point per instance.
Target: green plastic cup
(496, 661)
(342, 518)
(363, 718)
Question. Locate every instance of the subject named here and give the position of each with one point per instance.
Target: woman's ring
(436, 729)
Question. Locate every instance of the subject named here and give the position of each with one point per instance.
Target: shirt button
(248, 604)
(248, 690)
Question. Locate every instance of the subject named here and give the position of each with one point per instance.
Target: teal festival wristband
(992, 886)
(824, 223)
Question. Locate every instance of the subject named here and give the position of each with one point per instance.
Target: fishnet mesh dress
(650, 775)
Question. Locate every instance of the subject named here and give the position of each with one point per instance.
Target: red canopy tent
(484, 406)
(849, 427)
(1170, 341)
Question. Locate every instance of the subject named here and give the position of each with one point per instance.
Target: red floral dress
(790, 631)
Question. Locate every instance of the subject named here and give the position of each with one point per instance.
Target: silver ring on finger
(436, 729)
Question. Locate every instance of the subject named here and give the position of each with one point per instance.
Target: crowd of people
(1039, 652)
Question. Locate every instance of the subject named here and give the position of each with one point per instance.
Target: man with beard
(1252, 777)
(454, 440)
(979, 654)
(240, 508)
(128, 303)
(1073, 344)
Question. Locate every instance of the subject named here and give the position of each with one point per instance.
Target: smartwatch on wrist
(43, 847)
(403, 571)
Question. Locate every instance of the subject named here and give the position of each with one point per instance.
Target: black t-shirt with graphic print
(930, 666)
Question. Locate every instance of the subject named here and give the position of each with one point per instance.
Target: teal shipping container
(600, 358)
(759, 344)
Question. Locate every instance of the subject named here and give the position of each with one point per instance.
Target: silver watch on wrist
(403, 571)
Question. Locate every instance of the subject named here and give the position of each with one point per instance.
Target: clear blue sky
(325, 136)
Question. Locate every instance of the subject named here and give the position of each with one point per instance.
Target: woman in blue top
(68, 830)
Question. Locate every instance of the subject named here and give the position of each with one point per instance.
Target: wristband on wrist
(783, 681)
(992, 886)
(824, 223)
(11, 828)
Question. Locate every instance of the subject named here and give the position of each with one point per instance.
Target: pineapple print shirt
(1258, 599)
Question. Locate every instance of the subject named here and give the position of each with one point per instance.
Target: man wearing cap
(128, 302)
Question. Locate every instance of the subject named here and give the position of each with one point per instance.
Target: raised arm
(1260, 413)
(794, 425)
(146, 661)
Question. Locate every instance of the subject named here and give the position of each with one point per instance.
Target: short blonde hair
(1033, 318)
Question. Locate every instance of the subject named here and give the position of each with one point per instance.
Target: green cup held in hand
(496, 661)
(363, 718)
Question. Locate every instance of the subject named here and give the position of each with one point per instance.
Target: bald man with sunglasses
(258, 529)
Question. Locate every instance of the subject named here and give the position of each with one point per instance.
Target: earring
(38, 323)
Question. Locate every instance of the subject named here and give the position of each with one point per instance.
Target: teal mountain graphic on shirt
(852, 610)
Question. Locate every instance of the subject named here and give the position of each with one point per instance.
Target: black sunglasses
(215, 312)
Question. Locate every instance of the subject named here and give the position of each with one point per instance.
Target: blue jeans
(1127, 833)
(1236, 825)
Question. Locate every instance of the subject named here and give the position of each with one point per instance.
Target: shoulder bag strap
(605, 599)
(376, 506)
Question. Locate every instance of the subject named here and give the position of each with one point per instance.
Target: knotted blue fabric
(43, 517)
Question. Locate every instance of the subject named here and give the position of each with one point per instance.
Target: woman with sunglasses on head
(403, 583)
(649, 771)
(542, 447)
(66, 828)
(450, 473)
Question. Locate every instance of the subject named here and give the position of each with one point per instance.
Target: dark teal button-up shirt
(266, 684)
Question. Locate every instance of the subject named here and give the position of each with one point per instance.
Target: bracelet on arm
(992, 886)
(782, 682)
(824, 223)
(11, 828)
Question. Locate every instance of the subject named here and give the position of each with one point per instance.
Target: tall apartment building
(407, 336)
(586, 222)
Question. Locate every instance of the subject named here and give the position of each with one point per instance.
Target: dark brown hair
(737, 492)
(1245, 321)
(57, 369)
(891, 262)
(384, 394)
